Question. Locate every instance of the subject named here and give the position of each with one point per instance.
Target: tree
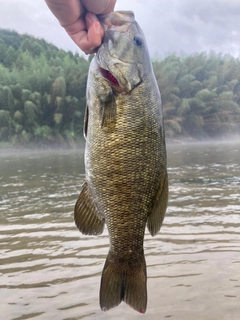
(10, 57)
(43, 93)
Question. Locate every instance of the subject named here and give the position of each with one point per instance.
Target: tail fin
(124, 282)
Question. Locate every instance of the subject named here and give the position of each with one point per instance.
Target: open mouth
(109, 77)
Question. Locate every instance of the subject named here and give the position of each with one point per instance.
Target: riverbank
(7, 147)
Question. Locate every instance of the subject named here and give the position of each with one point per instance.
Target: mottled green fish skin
(125, 159)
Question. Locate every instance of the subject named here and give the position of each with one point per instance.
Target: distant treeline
(42, 93)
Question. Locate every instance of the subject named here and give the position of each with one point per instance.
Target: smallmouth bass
(125, 159)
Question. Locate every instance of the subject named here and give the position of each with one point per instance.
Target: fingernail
(97, 28)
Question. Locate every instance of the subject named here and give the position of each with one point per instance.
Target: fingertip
(90, 37)
(90, 19)
(95, 34)
(92, 40)
(93, 22)
(98, 29)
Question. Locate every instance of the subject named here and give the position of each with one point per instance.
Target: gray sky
(170, 26)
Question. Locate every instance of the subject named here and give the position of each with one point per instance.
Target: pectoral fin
(108, 110)
(86, 216)
(156, 217)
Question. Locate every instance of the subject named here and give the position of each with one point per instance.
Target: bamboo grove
(42, 93)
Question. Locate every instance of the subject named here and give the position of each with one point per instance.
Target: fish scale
(125, 159)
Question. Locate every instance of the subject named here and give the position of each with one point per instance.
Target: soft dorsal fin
(156, 217)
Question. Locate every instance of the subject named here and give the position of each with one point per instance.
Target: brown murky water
(48, 270)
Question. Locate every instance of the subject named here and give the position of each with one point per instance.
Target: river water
(48, 270)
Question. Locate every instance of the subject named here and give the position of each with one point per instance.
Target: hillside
(200, 94)
(42, 93)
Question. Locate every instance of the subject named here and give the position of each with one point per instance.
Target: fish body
(125, 159)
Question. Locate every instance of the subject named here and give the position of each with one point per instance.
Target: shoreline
(80, 145)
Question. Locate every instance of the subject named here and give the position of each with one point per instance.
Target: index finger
(87, 34)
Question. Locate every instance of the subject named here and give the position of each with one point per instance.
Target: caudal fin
(124, 282)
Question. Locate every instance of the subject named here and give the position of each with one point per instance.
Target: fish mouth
(114, 83)
(106, 74)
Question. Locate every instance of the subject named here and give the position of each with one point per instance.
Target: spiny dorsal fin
(85, 127)
(86, 216)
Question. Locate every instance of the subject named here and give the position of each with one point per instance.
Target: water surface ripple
(48, 270)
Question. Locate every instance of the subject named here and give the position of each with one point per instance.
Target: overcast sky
(170, 26)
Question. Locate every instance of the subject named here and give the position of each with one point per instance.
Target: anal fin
(86, 216)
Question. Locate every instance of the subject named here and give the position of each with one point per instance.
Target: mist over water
(49, 270)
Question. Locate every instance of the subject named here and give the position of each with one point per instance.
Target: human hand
(78, 18)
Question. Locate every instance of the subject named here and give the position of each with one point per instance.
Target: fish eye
(138, 41)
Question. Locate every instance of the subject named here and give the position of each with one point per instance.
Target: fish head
(123, 57)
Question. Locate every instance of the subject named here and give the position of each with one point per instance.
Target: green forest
(42, 94)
